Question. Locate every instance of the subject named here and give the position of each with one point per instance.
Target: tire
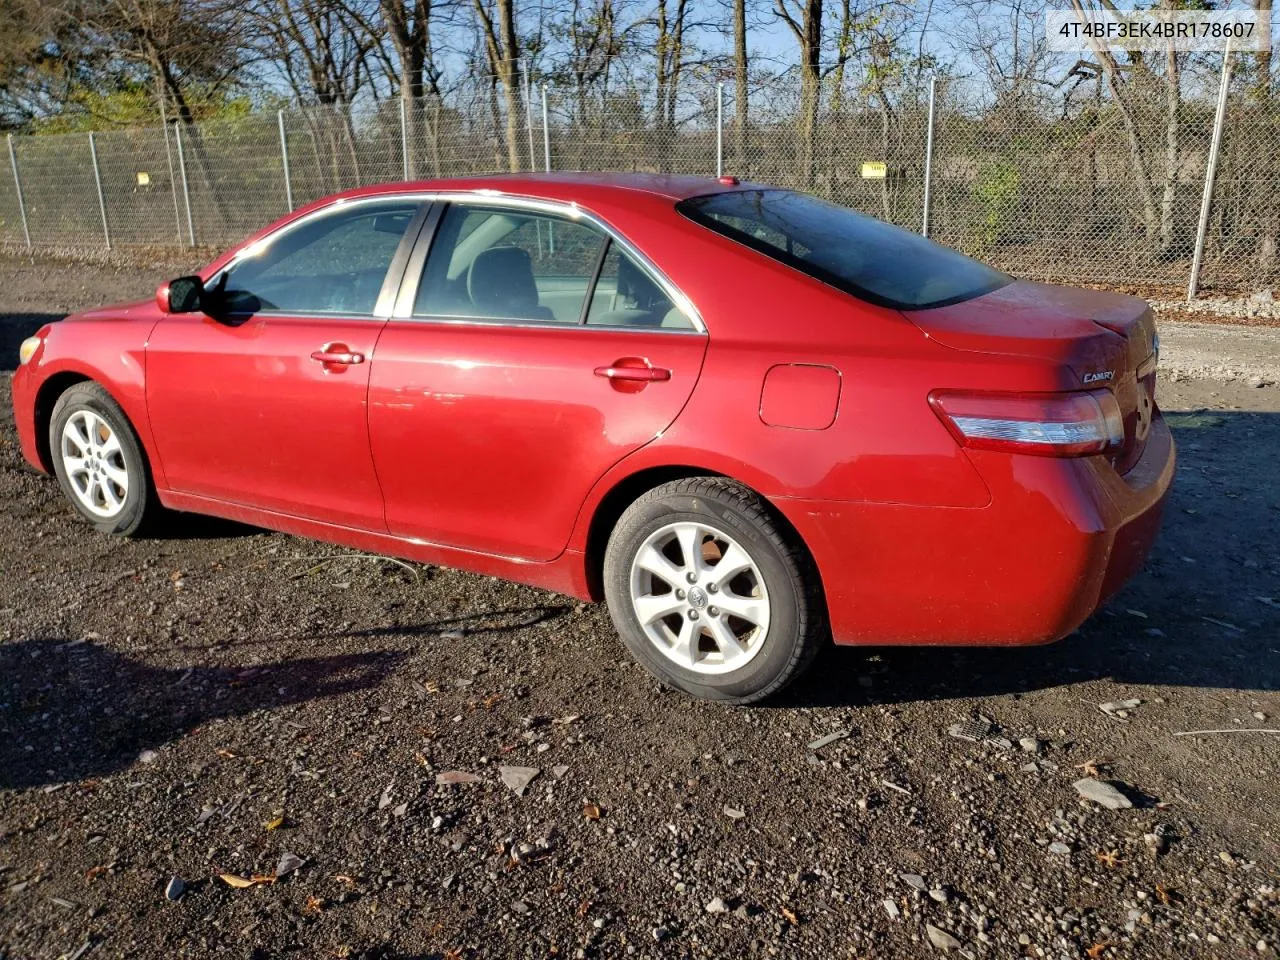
(114, 490)
(783, 616)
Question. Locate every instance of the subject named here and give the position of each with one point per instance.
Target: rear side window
(499, 264)
(868, 258)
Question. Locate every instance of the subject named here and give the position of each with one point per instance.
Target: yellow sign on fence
(874, 170)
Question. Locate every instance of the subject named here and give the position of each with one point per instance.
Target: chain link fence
(1074, 183)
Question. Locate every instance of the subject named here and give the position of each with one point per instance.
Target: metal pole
(97, 180)
(17, 183)
(186, 190)
(1210, 172)
(928, 160)
(528, 109)
(546, 136)
(719, 129)
(404, 137)
(284, 160)
(173, 181)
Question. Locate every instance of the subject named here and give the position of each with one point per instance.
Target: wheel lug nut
(713, 611)
(679, 594)
(693, 614)
(691, 577)
(712, 588)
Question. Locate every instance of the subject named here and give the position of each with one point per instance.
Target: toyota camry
(750, 420)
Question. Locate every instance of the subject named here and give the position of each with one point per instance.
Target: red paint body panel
(489, 439)
(492, 447)
(242, 413)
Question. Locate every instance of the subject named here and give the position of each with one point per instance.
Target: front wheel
(710, 593)
(99, 461)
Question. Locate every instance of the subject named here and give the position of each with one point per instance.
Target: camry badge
(1100, 375)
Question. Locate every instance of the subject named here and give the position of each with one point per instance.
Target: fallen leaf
(275, 823)
(591, 811)
(583, 907)
(491, 701)
(314, 905)
(450, 777)
(240, 883)
(791, 916)
(226, 754)
(1095, 951)
(1110, 858)
(1166, 895)
(345, 879)
(1092, 768)
(94, 872)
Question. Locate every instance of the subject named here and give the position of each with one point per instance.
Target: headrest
(500, 282)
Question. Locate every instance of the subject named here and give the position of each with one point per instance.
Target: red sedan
(750, 420)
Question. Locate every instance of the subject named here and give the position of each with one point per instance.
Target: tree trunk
(503, 49)
(740, 85)
(810, 88)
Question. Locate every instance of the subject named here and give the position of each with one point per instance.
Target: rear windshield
(873, 260)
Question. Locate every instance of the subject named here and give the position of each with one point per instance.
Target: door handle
(646, 374)
(337, 353)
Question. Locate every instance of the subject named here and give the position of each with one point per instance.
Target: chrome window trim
(569, 210)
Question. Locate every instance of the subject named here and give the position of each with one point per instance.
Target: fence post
(546, 135)
(17, 183)
(928, 160)
(102, 200)
(173, 181)
(284, 160)
(528, 110)
(186, 190)
(719, 129)
(1211, 170)
(404, 137)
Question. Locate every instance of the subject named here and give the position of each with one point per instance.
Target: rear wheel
(99, 461)
(710, 594)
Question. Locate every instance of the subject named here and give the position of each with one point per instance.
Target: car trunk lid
(1106, 340)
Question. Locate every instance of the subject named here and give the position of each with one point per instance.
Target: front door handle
(337, 353)
(646, 374)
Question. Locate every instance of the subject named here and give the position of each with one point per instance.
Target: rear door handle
(337, 353)
(646, 374)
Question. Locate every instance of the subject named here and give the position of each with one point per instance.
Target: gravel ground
(229, 701)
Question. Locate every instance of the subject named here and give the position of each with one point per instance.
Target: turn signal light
(1043, 424)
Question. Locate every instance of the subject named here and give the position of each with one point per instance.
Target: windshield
(873, 260)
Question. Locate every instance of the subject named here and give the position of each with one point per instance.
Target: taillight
(1045, 424)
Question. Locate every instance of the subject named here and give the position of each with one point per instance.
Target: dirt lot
(213, 701)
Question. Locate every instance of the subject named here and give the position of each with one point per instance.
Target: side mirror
(183, 295)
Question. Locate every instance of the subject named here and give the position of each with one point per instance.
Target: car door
(530, 353)
(265, 405)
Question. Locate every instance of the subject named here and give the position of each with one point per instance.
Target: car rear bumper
(1058, 538)
(23, 390)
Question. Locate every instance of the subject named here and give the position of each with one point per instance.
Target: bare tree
(741, 103)
(497, 25)
(1157, 214)
(805, 24)
(409, 27)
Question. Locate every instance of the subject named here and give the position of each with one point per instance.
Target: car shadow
(76, 710)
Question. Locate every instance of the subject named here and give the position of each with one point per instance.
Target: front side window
(332, 263)
(501, 264)
(873, 260)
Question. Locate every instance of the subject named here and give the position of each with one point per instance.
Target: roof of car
(564, 185)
